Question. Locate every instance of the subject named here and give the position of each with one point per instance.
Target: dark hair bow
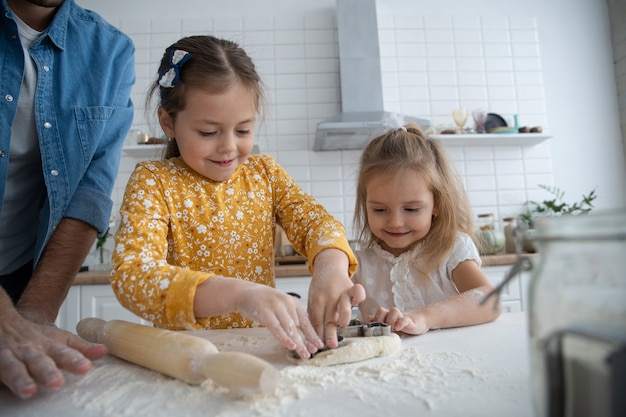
(171, 76)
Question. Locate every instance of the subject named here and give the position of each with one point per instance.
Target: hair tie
(396, 122)
(171, 76)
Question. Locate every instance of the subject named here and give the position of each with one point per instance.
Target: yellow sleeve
(307, 224)
(142, 279)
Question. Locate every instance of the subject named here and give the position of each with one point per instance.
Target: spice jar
(510, 239)
(490, 238)
(577, 315)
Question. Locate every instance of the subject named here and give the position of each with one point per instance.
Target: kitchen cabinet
(514, 295)
(296, 285)
(92, 301)
(145, 151)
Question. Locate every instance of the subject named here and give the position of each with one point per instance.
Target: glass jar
(510, 239)
(490, 238)
(577, 315)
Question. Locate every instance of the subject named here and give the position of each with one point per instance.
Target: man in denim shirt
(65, 82)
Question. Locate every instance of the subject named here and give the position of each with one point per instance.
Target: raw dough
(355, 349)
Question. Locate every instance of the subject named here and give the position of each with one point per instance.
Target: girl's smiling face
(214, 132)
(400, 208)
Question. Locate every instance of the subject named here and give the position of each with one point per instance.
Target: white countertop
(473, 371)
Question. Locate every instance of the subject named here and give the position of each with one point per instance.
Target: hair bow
(171, 76)
(395, 121)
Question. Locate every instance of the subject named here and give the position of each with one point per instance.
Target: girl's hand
(283, 316)
(332, 295)
(399, 321)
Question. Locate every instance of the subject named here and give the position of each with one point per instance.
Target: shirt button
(54, 173)
(8, 98)
(47, 125)
(46, 68)
(1, 154)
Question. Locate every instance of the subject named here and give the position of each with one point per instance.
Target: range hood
(362, 114)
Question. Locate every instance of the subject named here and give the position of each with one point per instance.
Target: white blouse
(391, 281)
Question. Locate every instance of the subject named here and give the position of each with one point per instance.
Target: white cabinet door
(69, 313)
(511, 295)
(297, 286)
(99, 301)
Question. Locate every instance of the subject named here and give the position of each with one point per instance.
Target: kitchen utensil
(577, 315)
(494, 120)
(460, 118)
(480, 117)
(188, 358)
(357, 328)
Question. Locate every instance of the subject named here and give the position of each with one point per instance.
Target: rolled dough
(355, 349)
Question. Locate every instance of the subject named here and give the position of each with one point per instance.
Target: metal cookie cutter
(357, 328)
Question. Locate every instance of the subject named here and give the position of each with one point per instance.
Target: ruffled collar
(405, 257)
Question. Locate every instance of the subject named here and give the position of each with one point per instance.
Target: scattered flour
(407, 377)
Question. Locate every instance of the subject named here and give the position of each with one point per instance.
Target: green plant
(101, 240)
(556, 206)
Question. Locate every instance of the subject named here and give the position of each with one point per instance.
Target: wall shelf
(144, 151)
(492, 139)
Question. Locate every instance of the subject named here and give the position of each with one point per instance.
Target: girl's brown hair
(397, 150)
(215, 65)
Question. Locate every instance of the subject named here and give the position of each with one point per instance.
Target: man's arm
(60, 262)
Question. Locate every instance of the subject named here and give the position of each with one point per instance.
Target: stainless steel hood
(362, 114)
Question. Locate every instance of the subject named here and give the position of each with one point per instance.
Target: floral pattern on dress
(178, 229)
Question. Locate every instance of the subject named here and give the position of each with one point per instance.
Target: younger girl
(195, 245)
(419, 265)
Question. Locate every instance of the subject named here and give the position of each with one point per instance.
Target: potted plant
(103, 259)
(553, 207)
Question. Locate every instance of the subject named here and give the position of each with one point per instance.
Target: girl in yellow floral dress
(195, 244)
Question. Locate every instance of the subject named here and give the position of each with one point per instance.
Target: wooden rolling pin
(179, 355)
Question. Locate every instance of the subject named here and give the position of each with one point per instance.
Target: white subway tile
(440, 49)
(444, 93)
(498, 64)
(496, 36)
(469, 50)
(474, 64)
(497, 50)
(408, 50)
(414, 35)
(480, 183)
(442, 78)
(464, 36)
(289, 37)
(474, 78)
(325, 172)
(521, 36)
(479, 168)
(538, 166)
(501, 78)
(437, 22)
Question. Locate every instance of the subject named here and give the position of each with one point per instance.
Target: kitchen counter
(472, 371)
(282, 271)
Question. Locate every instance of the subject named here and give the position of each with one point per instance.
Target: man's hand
(33, 354)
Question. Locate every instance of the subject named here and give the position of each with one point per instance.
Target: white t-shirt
(391, 281)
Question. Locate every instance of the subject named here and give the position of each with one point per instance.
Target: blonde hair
(397, 150)
(215, 65)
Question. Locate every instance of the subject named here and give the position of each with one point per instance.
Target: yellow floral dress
(178, 229)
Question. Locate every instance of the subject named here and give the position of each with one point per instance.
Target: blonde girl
(195, 245)
(419, 264)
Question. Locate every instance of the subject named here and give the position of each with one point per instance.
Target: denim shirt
(83, 111)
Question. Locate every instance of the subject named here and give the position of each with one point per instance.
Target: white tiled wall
(430, 66)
